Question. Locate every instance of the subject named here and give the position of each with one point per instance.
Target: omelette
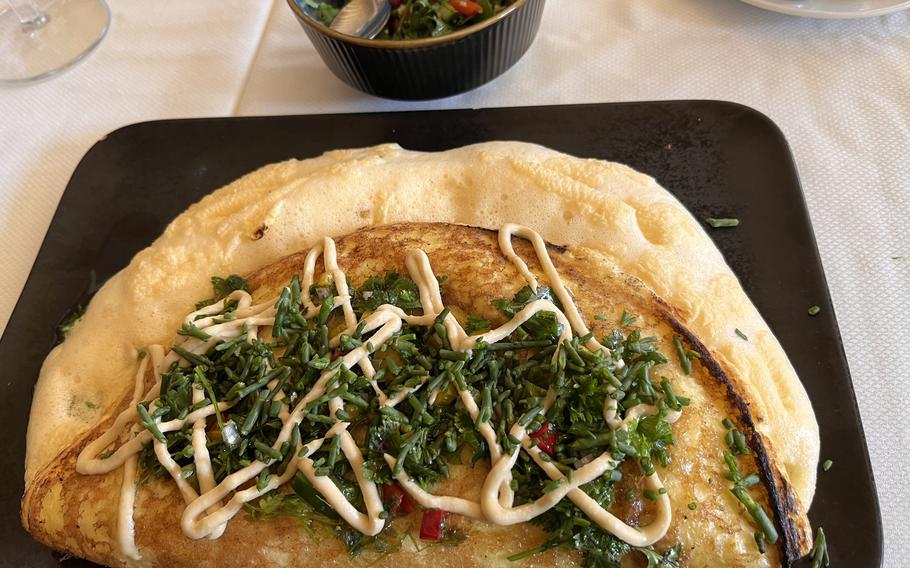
(412, 392)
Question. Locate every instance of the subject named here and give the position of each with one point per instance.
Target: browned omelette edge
(795, 532)
(795, 538)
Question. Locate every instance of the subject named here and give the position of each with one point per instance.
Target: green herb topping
(430, 430)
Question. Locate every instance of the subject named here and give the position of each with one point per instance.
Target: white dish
(832, 8)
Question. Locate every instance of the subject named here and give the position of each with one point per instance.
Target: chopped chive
(150, 424)
(757, 512)
(819, 552)
(190, 357)
(741, 334)
(266, 450)
(253, 416)
(529, 416)
(207, 387)
(334, 448)
(740, 440)
(827, 465)
(750, 480)
(760, 541)
(552, 485)
(263, 479)
(728, 424)
(718, 223)
(684, 361)
(692, 506)
(190, 330)
(406, 447)
(814, 310)
(486, 406)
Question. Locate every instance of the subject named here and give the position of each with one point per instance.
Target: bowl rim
(405, 43)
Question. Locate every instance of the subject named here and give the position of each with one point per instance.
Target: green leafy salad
(415, 19)
(430, 430)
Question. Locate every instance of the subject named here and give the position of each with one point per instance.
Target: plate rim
(826, 14)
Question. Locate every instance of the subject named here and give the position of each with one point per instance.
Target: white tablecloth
(840, 90)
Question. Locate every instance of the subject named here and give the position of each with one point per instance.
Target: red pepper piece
(546, 439)
(432, 524)
(336, 354)
(466, 7)
(398, 500)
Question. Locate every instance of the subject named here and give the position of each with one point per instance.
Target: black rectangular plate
(720, 159)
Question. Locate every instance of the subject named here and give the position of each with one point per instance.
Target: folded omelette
(381, 357)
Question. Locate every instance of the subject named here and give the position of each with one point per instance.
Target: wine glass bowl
(37, 42)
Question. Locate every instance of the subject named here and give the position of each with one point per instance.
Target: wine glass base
(71, 30)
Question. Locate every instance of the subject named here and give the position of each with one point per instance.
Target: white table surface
(840, 90)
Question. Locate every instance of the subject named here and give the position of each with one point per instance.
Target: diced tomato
(398, 500)
(432, 524)
(546, 437)
(466, 7)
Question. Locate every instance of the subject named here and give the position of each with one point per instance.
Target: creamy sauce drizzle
(207, 513)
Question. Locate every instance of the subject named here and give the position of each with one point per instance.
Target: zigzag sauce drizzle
(207, 514)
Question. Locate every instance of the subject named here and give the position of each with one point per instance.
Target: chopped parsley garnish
(391, 288)
(430, 430)
(221, 287)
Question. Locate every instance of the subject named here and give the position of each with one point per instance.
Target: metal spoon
(362, 18)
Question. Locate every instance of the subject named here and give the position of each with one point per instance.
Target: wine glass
(39, 41)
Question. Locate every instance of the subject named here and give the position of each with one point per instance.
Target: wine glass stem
(30, 15)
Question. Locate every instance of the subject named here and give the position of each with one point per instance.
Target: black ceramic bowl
(428, 68)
